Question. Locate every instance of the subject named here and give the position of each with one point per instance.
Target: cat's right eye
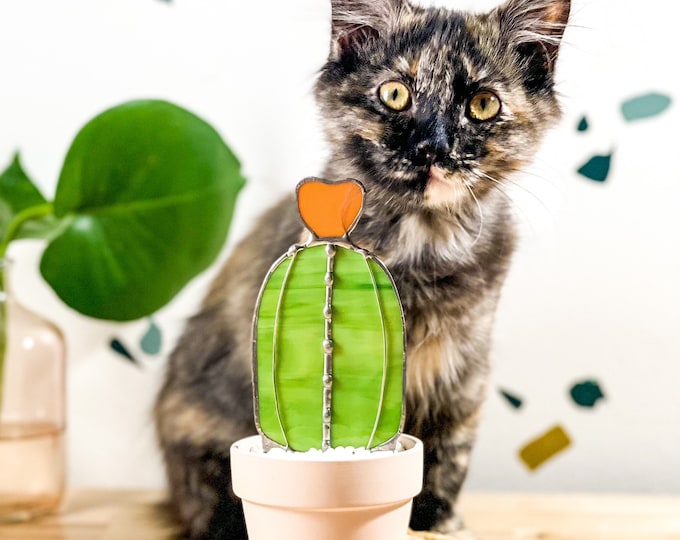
(484, 105)
(395, 95)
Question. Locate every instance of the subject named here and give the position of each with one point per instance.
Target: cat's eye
(484, 105)
(395, 95)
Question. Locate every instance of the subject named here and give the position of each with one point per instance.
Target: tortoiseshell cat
(433, 110)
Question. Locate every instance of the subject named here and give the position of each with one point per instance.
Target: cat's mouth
(437, 175)
(444, 187)
(444, 183)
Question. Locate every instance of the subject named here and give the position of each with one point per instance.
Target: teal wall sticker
(512, 399)
(597, 168)
(121, 349)
(152, 341)
(586, 394)
(645, 106)
(583, 125)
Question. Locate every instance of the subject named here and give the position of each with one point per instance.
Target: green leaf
(18, 194)
(148, 191)
(16, 189)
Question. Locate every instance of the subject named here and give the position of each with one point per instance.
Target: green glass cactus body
(329, 350)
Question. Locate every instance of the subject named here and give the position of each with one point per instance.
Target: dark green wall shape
(121, 349)
(514, 401)
(586, 394)
(597, 168)
(583, 125)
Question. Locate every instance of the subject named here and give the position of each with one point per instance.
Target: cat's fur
(435, 212)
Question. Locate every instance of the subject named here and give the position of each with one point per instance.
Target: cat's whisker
(542, 162)
(485, 176)
(481, 214)
(517, 185)
(498, 185)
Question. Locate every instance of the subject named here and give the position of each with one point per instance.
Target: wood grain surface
(126, 515)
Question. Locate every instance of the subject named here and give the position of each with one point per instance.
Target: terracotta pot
(345, 499)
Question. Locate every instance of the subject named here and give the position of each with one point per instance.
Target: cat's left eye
(395, 95)
(484, 105)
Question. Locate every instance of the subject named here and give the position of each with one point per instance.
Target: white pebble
(340, 453)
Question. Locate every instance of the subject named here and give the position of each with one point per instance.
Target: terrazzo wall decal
(640, 107)
(586, 394)
(512, 399)
(583, 125)
(117, 346)
(152, 340)
(151, 344)
(597, 168)
(545, 447)
(645, 106)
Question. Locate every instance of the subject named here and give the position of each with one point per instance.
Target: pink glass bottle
(32, 410)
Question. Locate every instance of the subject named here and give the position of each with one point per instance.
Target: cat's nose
(431, 150)
(434, 146)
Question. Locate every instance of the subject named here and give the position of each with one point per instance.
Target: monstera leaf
(143, 204)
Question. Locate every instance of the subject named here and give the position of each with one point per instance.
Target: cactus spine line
(328, 348)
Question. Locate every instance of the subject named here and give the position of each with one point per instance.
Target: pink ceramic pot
(345, 499)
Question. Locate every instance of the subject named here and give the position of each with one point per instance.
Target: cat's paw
(461, 534)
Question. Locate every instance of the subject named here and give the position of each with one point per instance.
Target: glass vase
(32, 409)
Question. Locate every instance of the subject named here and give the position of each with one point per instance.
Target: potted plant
(330, 461)
(143, 204)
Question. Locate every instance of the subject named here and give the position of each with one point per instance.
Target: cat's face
(431, 108)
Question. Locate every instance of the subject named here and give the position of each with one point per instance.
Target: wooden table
(120, 515)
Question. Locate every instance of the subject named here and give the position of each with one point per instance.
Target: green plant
(329, 350)
(143, 204)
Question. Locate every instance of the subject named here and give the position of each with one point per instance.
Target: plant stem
(3, 332)
(22, 217)
(25, 215)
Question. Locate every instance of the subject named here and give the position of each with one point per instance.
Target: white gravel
(341, 453)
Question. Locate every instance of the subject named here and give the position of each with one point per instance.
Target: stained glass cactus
(329, 335)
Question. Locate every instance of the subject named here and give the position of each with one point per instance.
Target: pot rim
(315, 484)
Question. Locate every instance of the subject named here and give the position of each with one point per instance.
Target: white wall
(593, 292)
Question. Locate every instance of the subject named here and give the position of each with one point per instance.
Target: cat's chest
(447, 353)
(449, 323)
(431, 357)
(426, 248)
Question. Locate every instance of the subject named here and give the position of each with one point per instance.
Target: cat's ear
(355, 21)
(535, 27)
